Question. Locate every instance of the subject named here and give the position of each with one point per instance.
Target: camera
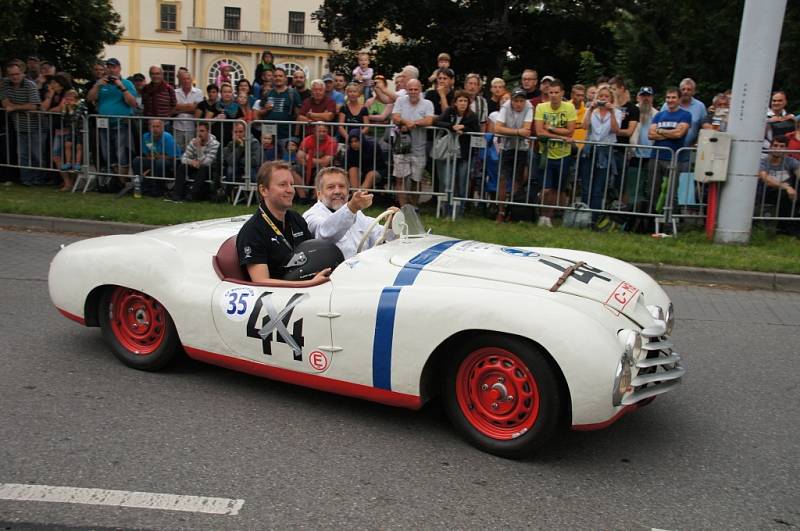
(111, 79)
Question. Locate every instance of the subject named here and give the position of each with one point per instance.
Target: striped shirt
(158, 100)
(26, 92)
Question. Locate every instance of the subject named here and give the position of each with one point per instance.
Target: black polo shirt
(257, 243)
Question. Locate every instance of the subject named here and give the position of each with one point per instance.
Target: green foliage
(589, 70)
(70, 33)
(649, 42)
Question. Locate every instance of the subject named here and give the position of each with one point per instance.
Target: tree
(71, 33)
(481, 36)
(659, 43)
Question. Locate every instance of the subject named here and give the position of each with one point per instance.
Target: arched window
(291, 67)
(236, 74)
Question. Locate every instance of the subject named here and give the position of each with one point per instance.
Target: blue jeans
(602, 165)
(30, 152)
(115, 143)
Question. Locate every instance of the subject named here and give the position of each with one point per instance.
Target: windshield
(407, 222)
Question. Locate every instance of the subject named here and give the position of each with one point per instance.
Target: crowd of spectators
(544, 141)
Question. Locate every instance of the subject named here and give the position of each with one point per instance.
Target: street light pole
(756, 56)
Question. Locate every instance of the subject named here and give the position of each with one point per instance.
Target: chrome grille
(660, 370)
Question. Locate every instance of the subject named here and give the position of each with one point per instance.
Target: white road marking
(120, 498)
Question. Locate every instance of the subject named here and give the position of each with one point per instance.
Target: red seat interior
(226, 262)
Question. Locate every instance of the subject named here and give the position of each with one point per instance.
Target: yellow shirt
(580, 132)
(556, 149)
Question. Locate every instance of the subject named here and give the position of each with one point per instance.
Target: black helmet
(310, 257)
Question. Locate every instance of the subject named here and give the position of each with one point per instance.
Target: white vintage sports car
(518, 342)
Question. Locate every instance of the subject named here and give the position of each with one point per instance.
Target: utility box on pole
(713, 154)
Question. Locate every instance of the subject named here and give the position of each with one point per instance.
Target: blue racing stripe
(387, 309)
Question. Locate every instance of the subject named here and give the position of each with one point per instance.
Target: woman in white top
(601, 123)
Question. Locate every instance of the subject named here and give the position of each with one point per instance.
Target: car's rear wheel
(502, 395)
(138, 328)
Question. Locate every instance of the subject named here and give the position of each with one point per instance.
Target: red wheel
(503, 396)
(138, 321)
(497, 393)
(138, 328)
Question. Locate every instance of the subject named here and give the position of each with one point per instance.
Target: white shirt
(415, 112)
(195, 96)
(342, 227)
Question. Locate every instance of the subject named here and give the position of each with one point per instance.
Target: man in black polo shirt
(266, 243)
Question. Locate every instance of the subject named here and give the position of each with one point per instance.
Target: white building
(202, 34)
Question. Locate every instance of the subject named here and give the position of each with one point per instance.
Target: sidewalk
(661, 272)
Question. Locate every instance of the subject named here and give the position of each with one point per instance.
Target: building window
(169, 74)
(168, 21)
(297, 22)
(291, 67)
(233, 18)
(214, 71)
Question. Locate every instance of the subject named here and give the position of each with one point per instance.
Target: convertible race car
(517, 342)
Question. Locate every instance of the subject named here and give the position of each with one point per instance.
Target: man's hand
(325, 273)
(790, 191)
(359, 201)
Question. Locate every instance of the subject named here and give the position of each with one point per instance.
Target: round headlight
(670, 318)
(632, 343)
(622, 380)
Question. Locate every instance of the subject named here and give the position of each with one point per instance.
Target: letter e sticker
(318, 360)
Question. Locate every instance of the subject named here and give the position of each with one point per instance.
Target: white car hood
(527, 267)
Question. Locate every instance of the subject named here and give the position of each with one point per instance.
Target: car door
(278, 326)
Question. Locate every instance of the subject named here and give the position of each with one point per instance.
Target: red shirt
(314, 149)
(326, 105)
(794, 144)
(158, 100)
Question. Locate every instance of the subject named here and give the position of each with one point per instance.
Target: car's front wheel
(138, 328)
(502, 395)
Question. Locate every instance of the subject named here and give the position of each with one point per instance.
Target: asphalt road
(719, 453)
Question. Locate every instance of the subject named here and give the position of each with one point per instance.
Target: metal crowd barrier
(613, 179)
(36, 142)
(602, 179)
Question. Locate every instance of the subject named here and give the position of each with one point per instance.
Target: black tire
(138, 328)
(502, 395)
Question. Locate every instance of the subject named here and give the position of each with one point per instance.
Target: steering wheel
(387, 215)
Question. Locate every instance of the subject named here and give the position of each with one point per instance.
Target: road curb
(661, 272)
(81, 226)
(723, 277)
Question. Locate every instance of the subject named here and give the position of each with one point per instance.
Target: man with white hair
(319, 107)
(401, 79)
(338, 218)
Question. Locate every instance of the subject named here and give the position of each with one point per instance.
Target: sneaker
(76, 167)
(544, 221)
(66, 167)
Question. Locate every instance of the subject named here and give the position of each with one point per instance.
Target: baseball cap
(519, 93)
(113, 61)
(547, 78)
(327, 77)
(647, 91)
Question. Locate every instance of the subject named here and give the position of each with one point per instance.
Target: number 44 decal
(277, 321)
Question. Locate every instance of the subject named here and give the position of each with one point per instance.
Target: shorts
(60, 139)
(556, 173)
(409, 165)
